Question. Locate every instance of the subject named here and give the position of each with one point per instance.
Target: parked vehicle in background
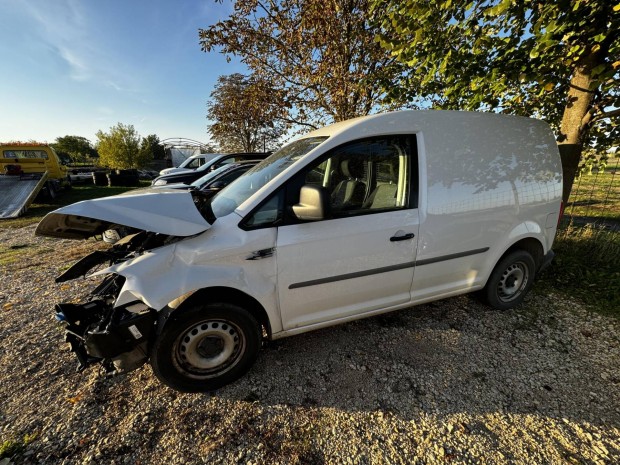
(221, 177)
(328, 229)
(188, 177)
(27, 169)
(191, 163)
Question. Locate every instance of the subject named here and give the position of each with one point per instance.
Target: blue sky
(73, 67)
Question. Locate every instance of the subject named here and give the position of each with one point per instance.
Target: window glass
(209, 176)
(226, 179)
(24, 154)
(365, 176)
(269, 214)
(233, 195)
(195, 163)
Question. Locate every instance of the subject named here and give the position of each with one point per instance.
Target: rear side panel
(490, 181)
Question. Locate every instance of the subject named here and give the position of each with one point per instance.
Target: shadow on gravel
(445, 358)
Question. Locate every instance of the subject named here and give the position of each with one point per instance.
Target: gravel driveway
(448, 382)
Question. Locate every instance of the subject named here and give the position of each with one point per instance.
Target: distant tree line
(121, 147)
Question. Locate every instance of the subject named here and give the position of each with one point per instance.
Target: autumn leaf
(76, 399)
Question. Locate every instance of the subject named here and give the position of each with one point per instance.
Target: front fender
(212, 259)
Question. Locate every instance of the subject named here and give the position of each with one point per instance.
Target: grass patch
(597, 195)
(41, 207)
(11, 447)
(9, 255)
(587, 267)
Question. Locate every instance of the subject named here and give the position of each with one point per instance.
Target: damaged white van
(355, 219)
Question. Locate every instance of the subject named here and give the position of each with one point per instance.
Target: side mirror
(217, 185)
(313, 203)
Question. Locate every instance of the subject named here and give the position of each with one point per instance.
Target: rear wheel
(510, 281)
(50, 190)
(205, 348)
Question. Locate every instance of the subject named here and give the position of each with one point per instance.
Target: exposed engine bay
(118, 338)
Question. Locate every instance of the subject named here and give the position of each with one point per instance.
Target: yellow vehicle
(26, 169)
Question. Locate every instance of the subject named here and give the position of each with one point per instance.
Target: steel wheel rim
(513, 281)
(209, 348)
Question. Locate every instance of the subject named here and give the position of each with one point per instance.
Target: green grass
(11, 447)
(41, 207)
(597, 195)
(587, 266)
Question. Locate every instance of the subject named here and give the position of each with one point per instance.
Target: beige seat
(349, 193)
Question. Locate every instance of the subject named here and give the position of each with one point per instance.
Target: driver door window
(366, 176)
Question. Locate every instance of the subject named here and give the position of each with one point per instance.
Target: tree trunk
(572, 129)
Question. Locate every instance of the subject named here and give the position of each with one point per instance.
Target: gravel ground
(449, 382)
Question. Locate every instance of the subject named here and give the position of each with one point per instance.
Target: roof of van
(412, 120)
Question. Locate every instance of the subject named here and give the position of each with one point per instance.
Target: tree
(552, 59)
(76, 148)
(246, 112)
(321, 54)
(120, 148)
(151, 148)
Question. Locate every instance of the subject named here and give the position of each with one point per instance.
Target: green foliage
(10, 448)
(120, 148)
(247, 114)
(586, 266)
(502, 55)
(590, 163)
(557, 60)
(151, 148)
(596, 192)
(321, 56)
(76, 149)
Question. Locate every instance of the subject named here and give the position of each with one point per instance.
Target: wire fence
(595, 197)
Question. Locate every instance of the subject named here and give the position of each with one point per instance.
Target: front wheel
(510, 280)
(205, 348)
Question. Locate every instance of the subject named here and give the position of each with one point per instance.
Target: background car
(191, 163)
(188, 177)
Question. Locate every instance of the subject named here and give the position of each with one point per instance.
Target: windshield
(190, 162)
(209, 176)
(251, 181)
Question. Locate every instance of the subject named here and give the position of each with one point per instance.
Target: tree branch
(604, 115)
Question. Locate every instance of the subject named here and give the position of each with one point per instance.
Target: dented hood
(168, 212)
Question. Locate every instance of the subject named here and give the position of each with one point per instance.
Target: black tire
(510, 281)
(205, 348)
(50, 190)
(100, 178)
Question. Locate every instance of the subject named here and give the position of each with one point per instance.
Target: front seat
(384, 195)
(350, 192)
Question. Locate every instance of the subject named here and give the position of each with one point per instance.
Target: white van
(190, 163)
(359, 218)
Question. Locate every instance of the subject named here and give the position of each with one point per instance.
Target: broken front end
(111, 328)
(117, 337)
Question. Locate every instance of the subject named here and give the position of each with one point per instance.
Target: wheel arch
(531, 245)
(231, 296)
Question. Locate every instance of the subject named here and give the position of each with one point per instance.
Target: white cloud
(65, 27)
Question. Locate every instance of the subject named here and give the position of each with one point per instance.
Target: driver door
(361, 258)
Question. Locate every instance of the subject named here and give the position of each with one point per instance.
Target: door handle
(404, 237)
(257, 255)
